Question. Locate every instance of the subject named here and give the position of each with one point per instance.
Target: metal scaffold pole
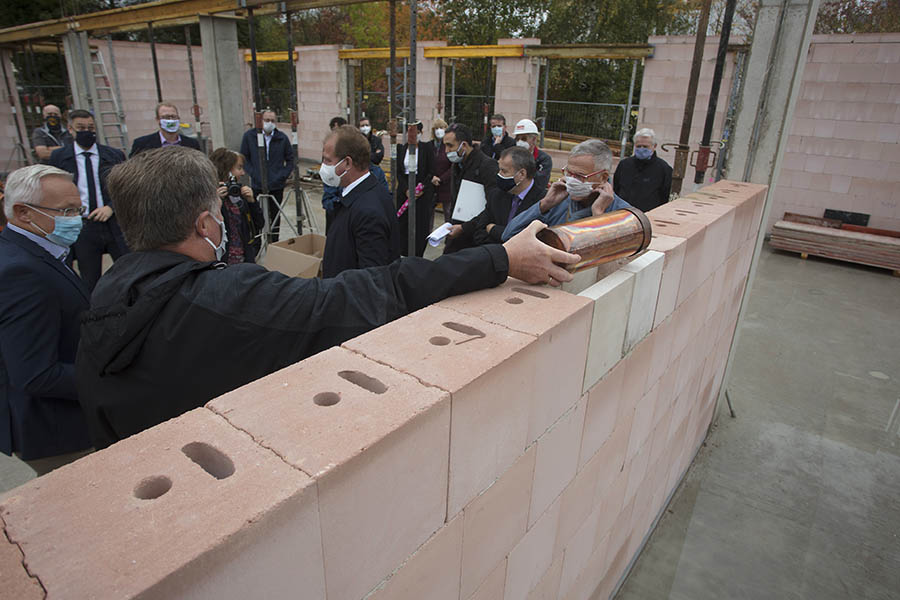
(196, 107)
(159, 97)
(411, 136)
(392, 93)
(298, 201)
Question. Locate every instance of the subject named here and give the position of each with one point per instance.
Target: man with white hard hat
(526, 134)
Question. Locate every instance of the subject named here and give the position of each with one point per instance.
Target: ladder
(108, 112)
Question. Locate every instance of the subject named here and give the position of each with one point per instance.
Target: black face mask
(85, 138)
(52, 123)
(505, 184)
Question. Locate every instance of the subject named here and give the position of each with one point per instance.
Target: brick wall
(516, 84)
(530, 460)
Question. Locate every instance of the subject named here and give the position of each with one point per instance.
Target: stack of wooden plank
(840, 244)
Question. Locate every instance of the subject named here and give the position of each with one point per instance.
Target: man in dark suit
(89, 163)
(168, 134)
(424, 200)
(363, 230)
(279, 164)
(515, 192)
(40, 303)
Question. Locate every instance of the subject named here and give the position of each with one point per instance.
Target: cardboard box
(296, 257)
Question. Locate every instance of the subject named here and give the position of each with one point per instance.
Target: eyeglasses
(579, 176)
(66, 212)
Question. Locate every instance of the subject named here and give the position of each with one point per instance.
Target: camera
(234, 188)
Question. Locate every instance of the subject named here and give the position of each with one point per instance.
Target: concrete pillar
(427, 93)
(771, 86)
(517, 85)
(222, 71)
(320, 79)
(81, 76)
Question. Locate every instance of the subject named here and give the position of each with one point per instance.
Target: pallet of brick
(839, 244)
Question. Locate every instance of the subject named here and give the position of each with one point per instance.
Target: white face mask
(328, 174)
(365, 129)
(169, 125)
(268, 127)
(455, 156)
(220, 249)
(439, 134)
(523, 144)
(497, 131)
(578, 189)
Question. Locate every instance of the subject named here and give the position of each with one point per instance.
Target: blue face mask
(65, 229)
(497, 131)
(643, 153)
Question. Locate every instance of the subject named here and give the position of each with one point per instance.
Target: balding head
(51, 110)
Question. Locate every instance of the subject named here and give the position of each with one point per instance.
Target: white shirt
(350, 187)
(406, 161)
(268, 137)
(55, 250)
(82, 175)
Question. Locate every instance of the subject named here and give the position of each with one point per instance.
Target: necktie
(515, 207)
(91, 185)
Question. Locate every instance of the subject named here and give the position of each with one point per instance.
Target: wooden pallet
(838, 244)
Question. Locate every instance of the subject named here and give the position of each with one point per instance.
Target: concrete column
(771, 86)
(427, 92)
(320, 79)
(81, 76)
(222, 71)
(517, 85)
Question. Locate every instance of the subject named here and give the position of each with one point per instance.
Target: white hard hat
(525, 126)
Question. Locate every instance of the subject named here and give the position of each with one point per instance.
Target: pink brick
(432, 572)
(636, 371)
(577, 502)
(490, 380)
(17, 583)
(353, 451)
(643, 421)
(587, 582)
(495, 521)
(532, 556)
(548, 587)
(578, 553)
(557, 460)
(602, 412)
(610, 499)
(493, 586)
(561, 320)
(249, 512)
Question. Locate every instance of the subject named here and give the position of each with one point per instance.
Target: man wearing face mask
(526, 133)
(515, 193)
(168, 133)
(90, 163)
(498, 140)
(51, 135)
(41, 301)
(364, 229)
(167, 317)
(584, 190)
(468, 165)
(644, 180)
(375, 144)
(279, 163)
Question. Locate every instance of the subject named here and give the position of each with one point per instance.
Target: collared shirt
(164, 142)
(524, 192)
(350, 187)
(514, 206)
(268, 137)
(55, 250)
(82, 175)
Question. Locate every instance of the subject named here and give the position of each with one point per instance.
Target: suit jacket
(64, 158)
(151, 141)
(363, 231)
(493, 150)
(280, 162)
(496, 211)
(41, 301)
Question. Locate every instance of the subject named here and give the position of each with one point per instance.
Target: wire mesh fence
(589, 119)
(469, 110)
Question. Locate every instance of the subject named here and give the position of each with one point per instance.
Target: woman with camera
(242, 213)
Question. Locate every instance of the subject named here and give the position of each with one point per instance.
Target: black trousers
(95, 240)
(274, 215)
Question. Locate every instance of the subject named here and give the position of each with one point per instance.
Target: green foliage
(858, 16)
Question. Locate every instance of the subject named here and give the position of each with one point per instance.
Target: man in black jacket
(514, 193)
(376, 146)
(468, 165)
(279, 165)
(90, 163)
(170, 327)
(363, 230)
(643, 180)
(498, 140)
(168, 134)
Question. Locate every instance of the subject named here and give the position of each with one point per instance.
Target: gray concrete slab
(799, 496)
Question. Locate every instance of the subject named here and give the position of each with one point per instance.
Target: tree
(858, 16)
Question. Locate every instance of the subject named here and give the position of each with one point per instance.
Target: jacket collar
(364, 186)
(41, 254)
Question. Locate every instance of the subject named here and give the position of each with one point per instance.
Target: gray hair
(645, 132)
(23, 186)
(159, 194)
(596, 148)
(521, 159)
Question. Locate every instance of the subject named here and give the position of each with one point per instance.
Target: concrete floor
(799, 496)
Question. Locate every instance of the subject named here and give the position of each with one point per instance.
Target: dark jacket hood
(127, 301)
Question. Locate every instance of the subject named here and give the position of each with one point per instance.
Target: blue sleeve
(617, 204)
(554, 216)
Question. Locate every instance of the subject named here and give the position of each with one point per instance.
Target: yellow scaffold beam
(511, 51)
(574, 51)
(280, 55)
(358, 53)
